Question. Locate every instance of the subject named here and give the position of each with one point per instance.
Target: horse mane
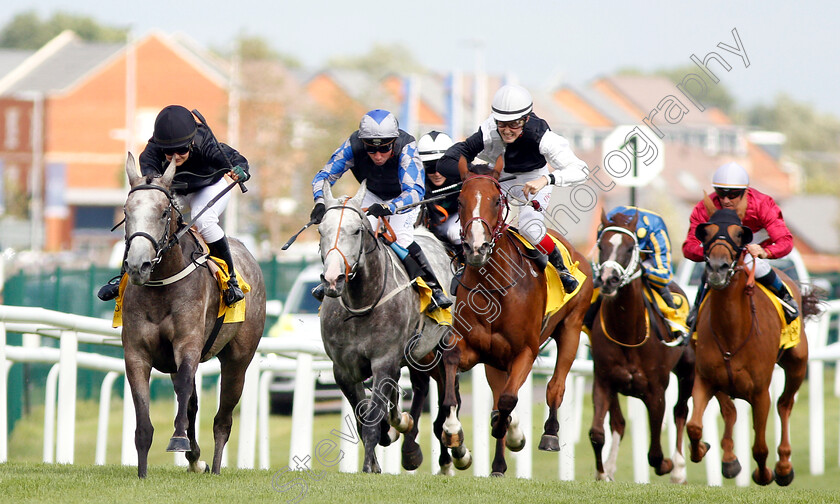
(481, 169)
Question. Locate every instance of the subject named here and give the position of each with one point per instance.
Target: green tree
(380, 60)
(28, 31)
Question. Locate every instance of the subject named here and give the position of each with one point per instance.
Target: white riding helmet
(731, 176)
(378, 125)
(511, 102)
(432, 145)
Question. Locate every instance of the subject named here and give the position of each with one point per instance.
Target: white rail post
(129, 451)
(637, 412)
(711, 433)
(248, 415)
(741, 436)
(525, 411)
(435, 442)
(104, 410)
(4, 393)
(303, 412)
(482, 398)
(350, 438)
(66, 428)
(49, 414)
(262, 422)
(568, 425)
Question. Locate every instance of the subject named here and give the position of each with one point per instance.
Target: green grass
(25, 479)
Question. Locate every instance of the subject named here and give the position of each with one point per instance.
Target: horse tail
(812, 304)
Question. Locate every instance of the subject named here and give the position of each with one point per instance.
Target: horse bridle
(498, 229)
(166, 241)
(633, 269)
(724, 240)
(349, 271)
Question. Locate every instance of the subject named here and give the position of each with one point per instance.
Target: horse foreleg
(194, 454)
(760, 408)
(137, 375)
(567, 344)
(461, 457)
(519, 370)
(452, 434)
(794, 361)
(499, 466)
(184, 383)
(655, 402)
(412, 455)
(685, 380)
(597, 438)
(730, 466)
(617, 427)
(230, 390)
(701, 394)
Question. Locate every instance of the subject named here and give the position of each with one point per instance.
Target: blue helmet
(380, 126)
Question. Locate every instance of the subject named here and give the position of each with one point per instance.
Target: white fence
(60, 414)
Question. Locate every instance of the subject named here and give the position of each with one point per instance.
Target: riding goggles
(515, 124)
(177, 150)
(729, 193)
(381, 148)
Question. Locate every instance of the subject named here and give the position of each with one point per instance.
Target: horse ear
(604, 221)
(360, 194)
(707, 202)
(132, 170)
(463, 168)
(747, 237)
(169, 174)
(700, 231)
(500, 165)
(632, 223)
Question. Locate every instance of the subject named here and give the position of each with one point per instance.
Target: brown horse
(628, 353)
(169, 315)
(738, 344)
(500, 317)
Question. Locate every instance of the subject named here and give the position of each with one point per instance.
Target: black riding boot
(568, 280)
(591, 312)
(420, 267)
(774, 283)
(110, 290)
(318, 292)
(691, 319)
(665, 292)
(221, 249)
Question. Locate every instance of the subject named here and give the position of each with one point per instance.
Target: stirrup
(789, 307)
(233, 295)
(439, 299)
(568, 280)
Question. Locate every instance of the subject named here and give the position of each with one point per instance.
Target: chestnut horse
(738, 344)
(500, 317)
(629, 355)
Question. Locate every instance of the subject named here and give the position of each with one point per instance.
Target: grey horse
(168, 322)
(371, 326)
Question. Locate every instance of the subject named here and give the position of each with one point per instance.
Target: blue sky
(792, 47)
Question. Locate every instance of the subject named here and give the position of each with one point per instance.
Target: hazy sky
(793, 47)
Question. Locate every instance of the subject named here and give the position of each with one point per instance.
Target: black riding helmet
(174, 127)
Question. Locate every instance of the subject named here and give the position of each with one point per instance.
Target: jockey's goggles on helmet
(515, 124)
(371, 148)
(729, 193)
(177, 150)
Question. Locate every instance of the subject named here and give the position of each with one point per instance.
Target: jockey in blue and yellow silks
(655, 248)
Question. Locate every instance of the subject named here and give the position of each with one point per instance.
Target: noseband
(349, 270)
(626, 274)
(731, 247)
(166, 241)
(497, 230)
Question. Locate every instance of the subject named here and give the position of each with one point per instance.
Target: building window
(12, 139)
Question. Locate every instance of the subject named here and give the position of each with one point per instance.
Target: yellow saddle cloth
(790, 332)
(231, 314)
(557, 297)
(440, 315)
(674, 317)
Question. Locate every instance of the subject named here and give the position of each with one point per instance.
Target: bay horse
(500, 317)
(738, 344)
(371, 326)
(170, 306)
(629, 355)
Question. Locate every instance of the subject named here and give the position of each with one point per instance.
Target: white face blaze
(477, 232)
(615, 243)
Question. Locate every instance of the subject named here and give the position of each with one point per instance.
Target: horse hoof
(452, 440)
(406, 422)
(699, 457)
(462, 458)
(515, 448)
(783, 480)
(549, 443)
(730, 469)
(496, 474)
(756, 476)
(198, 466)
(446, 470)
(178, 444)
(664, 468)
(412, 459)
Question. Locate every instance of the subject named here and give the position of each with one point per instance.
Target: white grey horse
(370, 320)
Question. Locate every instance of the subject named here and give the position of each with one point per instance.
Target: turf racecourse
(32, 482)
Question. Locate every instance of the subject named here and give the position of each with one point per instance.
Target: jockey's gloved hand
(379, 210)
(241, 174)
(317, 213)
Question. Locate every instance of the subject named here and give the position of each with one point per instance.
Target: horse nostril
(467, 247)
